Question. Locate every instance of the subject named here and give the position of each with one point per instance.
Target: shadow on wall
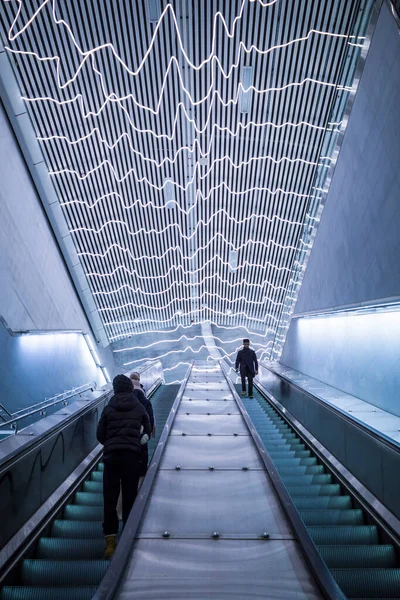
(35, 367)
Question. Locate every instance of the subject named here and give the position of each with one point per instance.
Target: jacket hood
(122, 383)
(124, 401)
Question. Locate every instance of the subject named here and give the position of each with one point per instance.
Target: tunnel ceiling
(190, 145)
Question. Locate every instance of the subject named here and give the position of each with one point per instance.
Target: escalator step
(291, 461)
(350, 535)
(314, 490)
(332, 517)
(76, 529)
(292, 454)
(368, 583)
(96, 476)
(47, 593)
(67, 549)
(60, 572)
(292, 480)
(100, 466)
(88, 499)
(77, 512)
(358, 557)
(318, 502)
(300, 469)
(93, 486)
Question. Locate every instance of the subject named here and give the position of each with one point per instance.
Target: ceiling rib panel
(188, 196)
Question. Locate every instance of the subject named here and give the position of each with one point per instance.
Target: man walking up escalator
(246, 359)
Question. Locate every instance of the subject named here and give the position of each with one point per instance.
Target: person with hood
(123, 427)
(247, 360)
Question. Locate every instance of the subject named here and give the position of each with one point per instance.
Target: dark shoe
(243, 393)
(251, 397)
(111, 544)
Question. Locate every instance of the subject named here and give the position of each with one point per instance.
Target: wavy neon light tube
(184, 351)
(199, 223)
(245, 263)
(167, 331)
(183, 337)
(138, 290)
(190, 299)
(180, 251)
(196, 171)
(134, 73)
(181, 315)
(196, 142)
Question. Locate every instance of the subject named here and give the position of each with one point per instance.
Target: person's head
(246, 343)
(121, 384)
(134, 376)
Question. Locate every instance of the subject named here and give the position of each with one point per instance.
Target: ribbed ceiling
(187, 198)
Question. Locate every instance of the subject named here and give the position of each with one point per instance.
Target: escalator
(350, 545)
(68, 563)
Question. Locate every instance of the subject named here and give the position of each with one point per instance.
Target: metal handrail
(378, 435)
(41, 407)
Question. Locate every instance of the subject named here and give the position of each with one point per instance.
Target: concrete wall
(356, 255)
(36, 293)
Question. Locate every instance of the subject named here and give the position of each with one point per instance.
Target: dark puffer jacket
(121, 420)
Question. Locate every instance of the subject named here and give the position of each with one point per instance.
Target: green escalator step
(100, 466)
(67, 549)
(351, 535)
(285, 454)
(314, 490)
(93, 486)
(77, 512)
(358, 557)
(47, 593)
(368, 582)
(96, 476)
(323, 479)
(300, 469)
(318, 502)
(89, 499)
(332, 516)
(76, 529)
(60, 572)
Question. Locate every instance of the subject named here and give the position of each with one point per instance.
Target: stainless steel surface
(217, 569)
(211, 494)
(230, 502)
(208, 386)
(207, 395)
(214, 407)
(195, 452)
(205, 424)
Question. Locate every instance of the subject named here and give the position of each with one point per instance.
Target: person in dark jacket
(123, 427)
(247, 360)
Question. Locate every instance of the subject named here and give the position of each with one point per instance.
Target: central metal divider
(213, 526)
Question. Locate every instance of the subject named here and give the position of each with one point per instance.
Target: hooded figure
(247, 360)
(123, 427)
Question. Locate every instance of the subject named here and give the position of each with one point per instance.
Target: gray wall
(356, 255)
(36, 292)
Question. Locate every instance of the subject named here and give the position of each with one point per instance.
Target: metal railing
(40, 407)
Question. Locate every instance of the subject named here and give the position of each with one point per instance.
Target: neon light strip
(248, 331)
(183, 337)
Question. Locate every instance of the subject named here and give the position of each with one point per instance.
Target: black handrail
(323, 576)
(111, 579)
(379, 436)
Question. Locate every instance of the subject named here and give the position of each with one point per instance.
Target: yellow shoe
(111, 544)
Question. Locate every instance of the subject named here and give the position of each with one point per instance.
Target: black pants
(121, 468)
(247, 373)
